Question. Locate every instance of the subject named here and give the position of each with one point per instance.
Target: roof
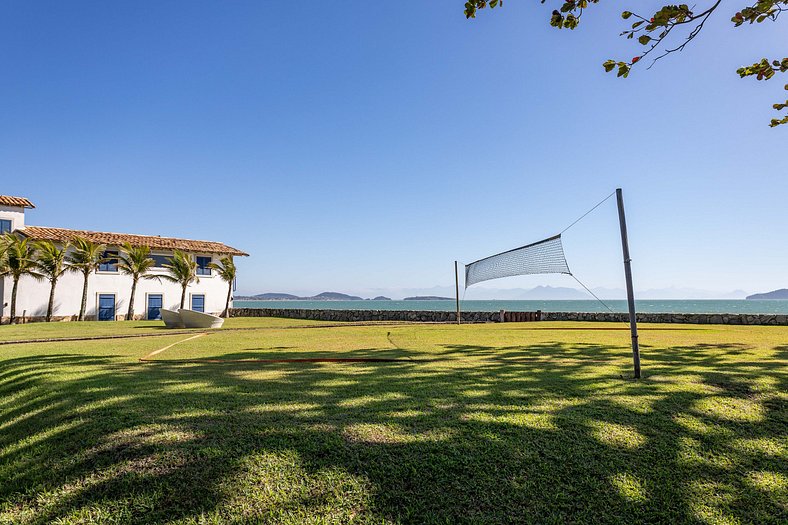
(117, 239)
(21, 202)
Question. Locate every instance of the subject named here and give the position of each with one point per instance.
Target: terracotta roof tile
(116, 239)
(7, 200)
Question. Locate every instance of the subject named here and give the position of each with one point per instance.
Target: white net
(545, 256)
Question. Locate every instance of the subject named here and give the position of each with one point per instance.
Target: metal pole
(457, 290)
(633, 324)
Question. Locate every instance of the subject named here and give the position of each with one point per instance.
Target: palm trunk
(183, 296)
(227, 303)
(51, 305)
(84, 298)
(130, 314)
(13, 301)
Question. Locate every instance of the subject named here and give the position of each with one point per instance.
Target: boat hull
(172, 319)
(192, 319)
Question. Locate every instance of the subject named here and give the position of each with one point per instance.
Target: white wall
(33, 296)
(15, 214)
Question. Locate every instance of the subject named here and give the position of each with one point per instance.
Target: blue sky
(367, 145)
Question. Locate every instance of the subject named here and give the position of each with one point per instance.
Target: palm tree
(19, 260)
(182, 270)
(3, 250)
(136, 262)
(227, 271)
(3, 247)
(85, 259)
(51, 263)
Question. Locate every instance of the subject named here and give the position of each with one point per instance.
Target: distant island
(781, 294)
(428, 298)
(269, 297)
(325, 296)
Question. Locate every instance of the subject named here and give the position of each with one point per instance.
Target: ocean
(645, 306)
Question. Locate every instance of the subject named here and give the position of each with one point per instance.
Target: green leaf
(644, 39)
(626, 14)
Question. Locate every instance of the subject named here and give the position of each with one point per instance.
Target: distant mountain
(775, 295)
(333, 296)
(428, 298)
(325, 296)
(381, 298)
(269, 297)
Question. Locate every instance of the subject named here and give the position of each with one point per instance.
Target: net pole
(457, 290)
(633, 324)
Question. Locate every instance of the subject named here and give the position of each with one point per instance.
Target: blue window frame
(110, 263)
(5, 226)
(161, 260)
(198, 303)
(202, 266)
(155, 303)
(106, 307)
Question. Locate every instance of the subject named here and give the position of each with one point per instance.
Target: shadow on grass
(542, 433)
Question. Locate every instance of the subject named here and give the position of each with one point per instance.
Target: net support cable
(542, 257)
(547, 256)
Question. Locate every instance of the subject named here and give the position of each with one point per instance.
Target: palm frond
(86, 256)
(20, 258)
(135, 260)
(225, 268)
(181, 269)
(51, 259)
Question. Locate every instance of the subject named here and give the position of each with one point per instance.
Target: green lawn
(35, 331)
(473, 424)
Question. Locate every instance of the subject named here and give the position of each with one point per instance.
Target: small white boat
(192, 319)
(172, 319)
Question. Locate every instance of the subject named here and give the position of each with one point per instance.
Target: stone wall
(366, 315)
(494, 317)
(741, 319)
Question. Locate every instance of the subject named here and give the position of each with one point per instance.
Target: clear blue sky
(361, 145)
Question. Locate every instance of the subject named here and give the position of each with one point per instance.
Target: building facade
(109, 290)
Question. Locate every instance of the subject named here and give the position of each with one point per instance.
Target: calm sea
(686, 306)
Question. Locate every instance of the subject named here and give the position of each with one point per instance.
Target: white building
(108, 289)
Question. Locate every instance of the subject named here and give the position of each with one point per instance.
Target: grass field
(513, 423)
(90, 329)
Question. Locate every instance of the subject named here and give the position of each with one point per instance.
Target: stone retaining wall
(494, 317)
(742, 319)
(366, 315)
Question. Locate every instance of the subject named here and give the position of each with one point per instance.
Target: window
(155, 303)
(198, 303)
(110, 263)
(161, 260)
(5, 226)
(106, 307)
(202, 266)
